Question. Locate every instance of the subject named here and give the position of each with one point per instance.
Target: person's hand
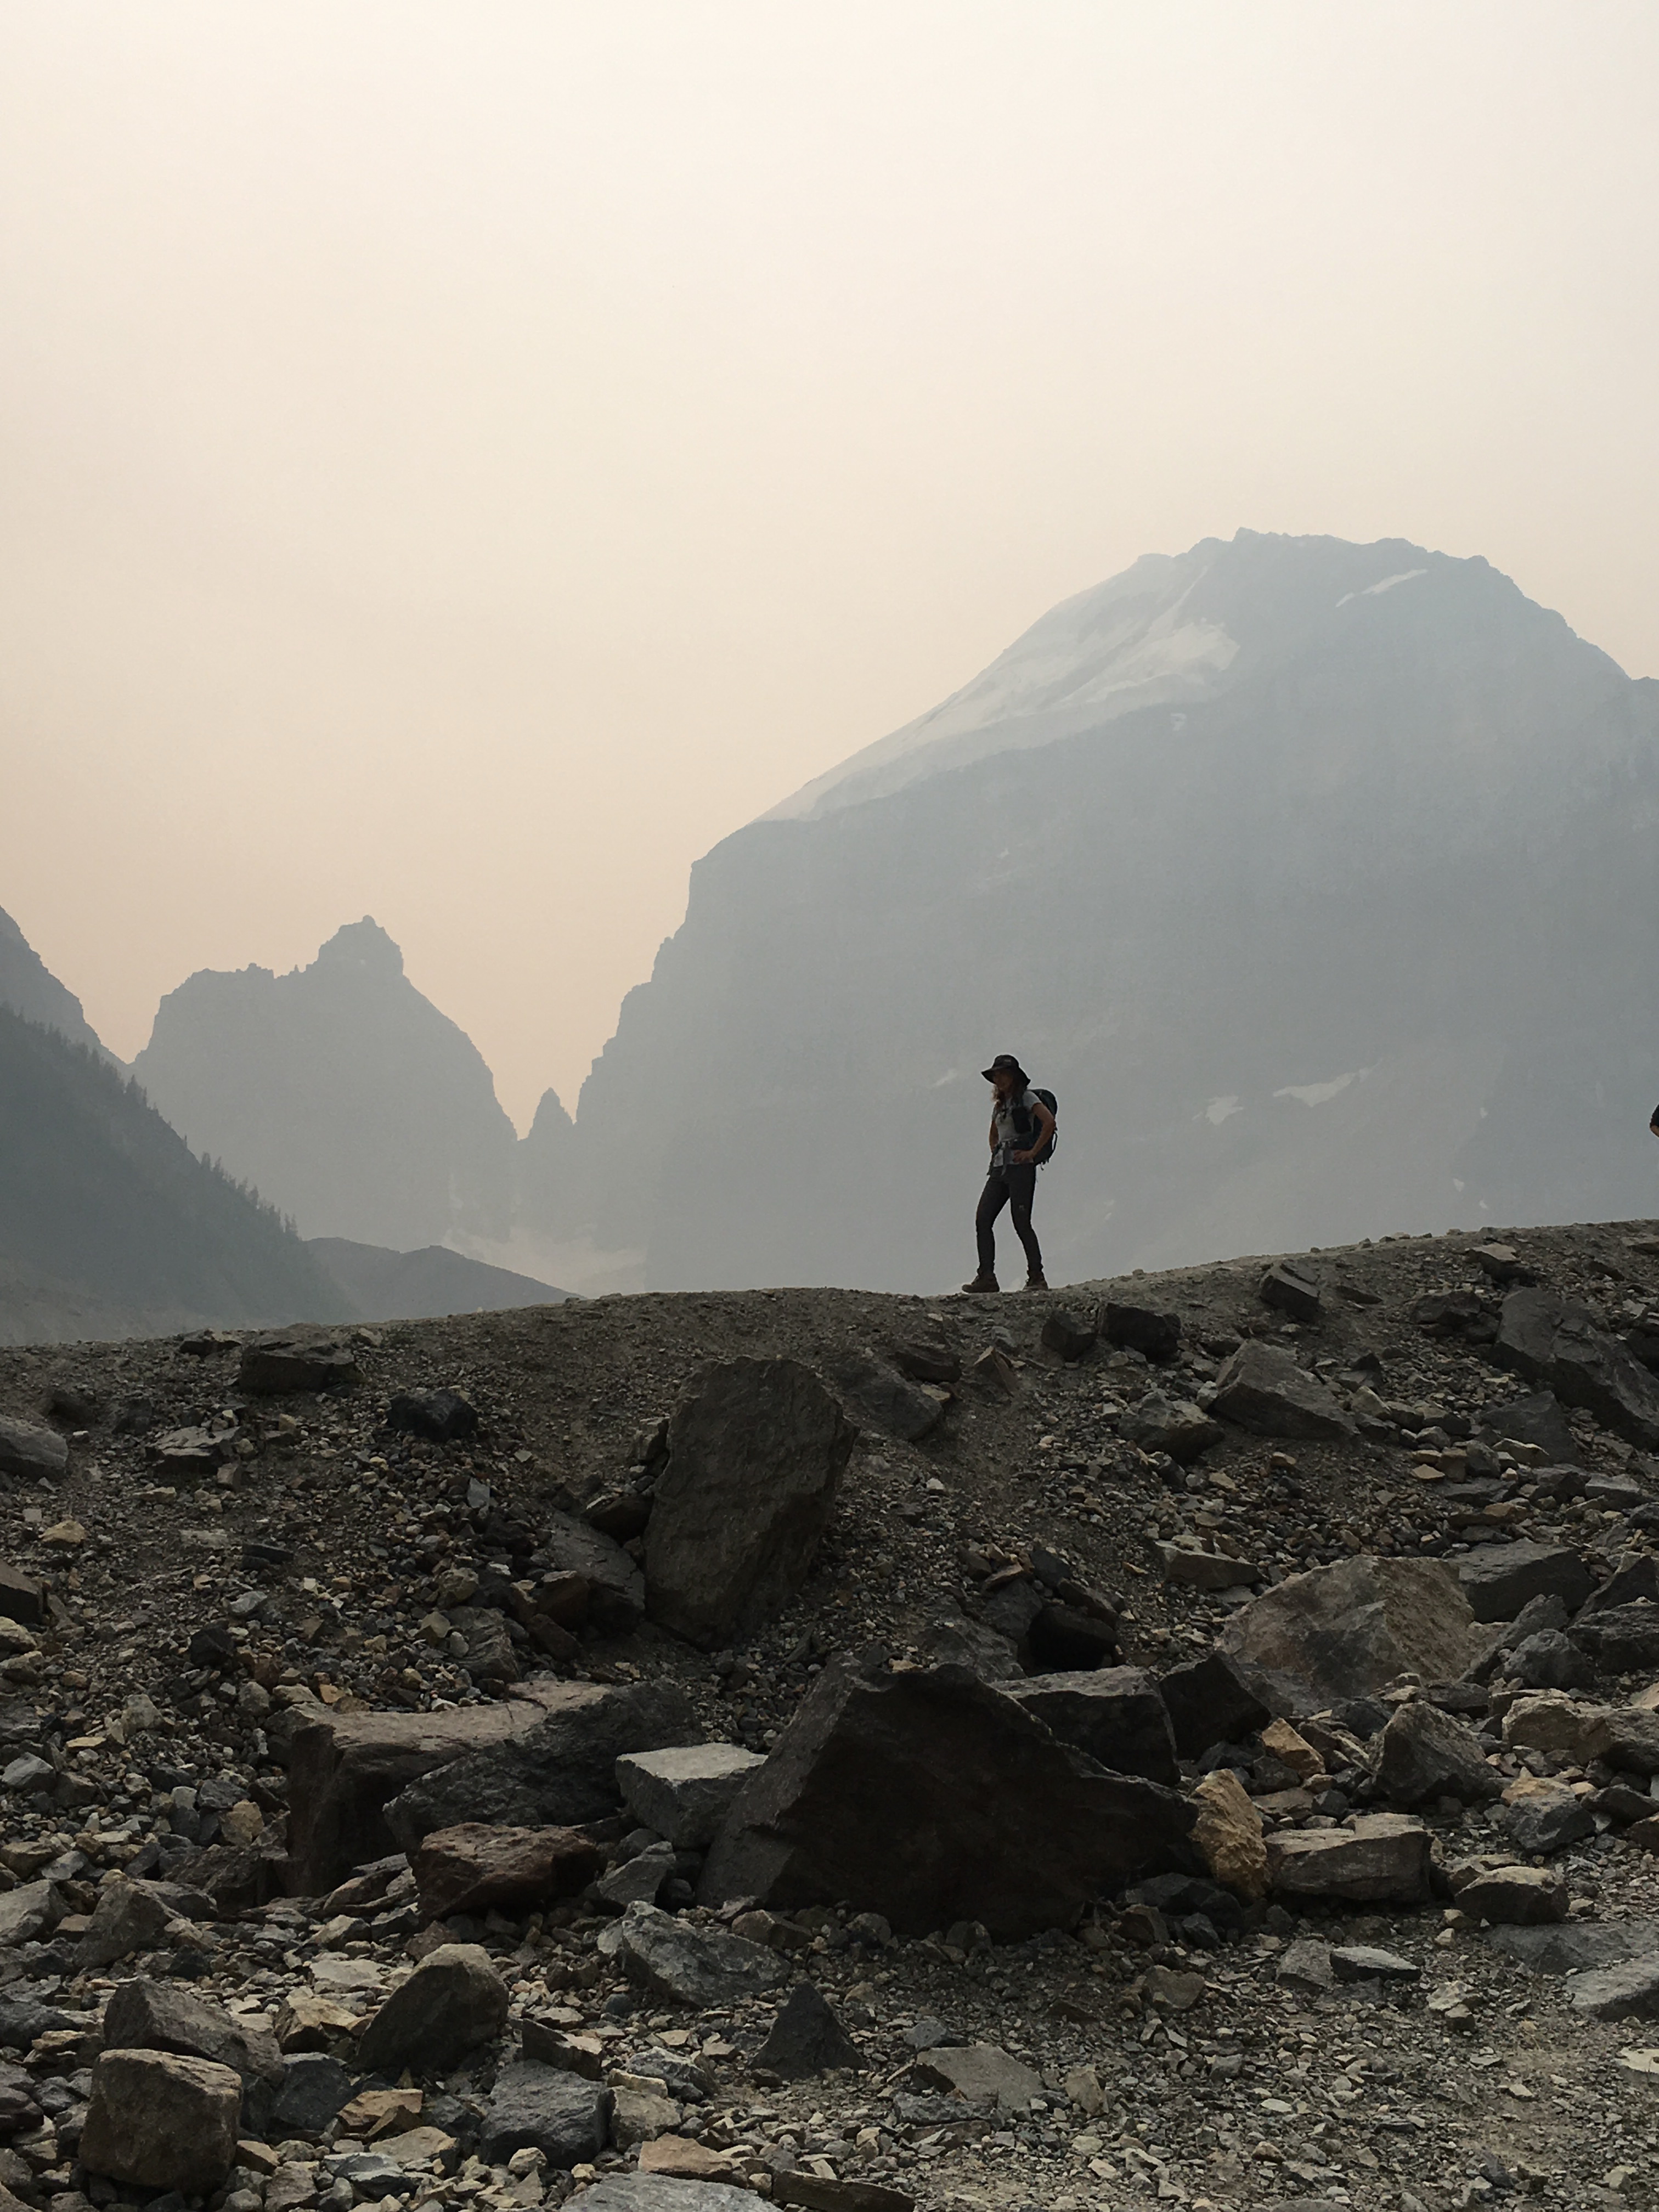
(1019, 1159)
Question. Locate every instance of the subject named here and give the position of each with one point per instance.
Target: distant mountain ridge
(342, 1092)
(1320, 880)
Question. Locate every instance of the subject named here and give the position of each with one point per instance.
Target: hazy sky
(461, 461)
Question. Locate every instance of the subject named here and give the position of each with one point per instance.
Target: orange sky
(460, 461)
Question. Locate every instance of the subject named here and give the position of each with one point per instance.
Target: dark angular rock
(1628, 1991)
(1287, 1290)
(1624, 1639)
(1551, 1661)
(1428, 1754)
(311, 2090)
(1517, 1896)
(756, 1452)
(1138, 1328)
(1559, 1346)
(1113, 1713)
(539, 2108)
(474, 1868)
(616, 1587)
(928, 1363)
(1572, 1949)
(1498, 1579)
(289, 1360)
(806, 2040)
(1011, 1610)
(702, 1968)
(31, 1451)
(147, 2016)
(443, 1417)
(1211, 1700)
(931, 1797)
(622, 1515)
(1174, 1426)
(1547, 1822)
(1263, 1389)
(23, 1597)
(453, 2002)
(1062, 1637)
(558, 1773)
(1068, 1337)
(883, 1397)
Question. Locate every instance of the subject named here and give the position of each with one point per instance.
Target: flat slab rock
(931, 1796)
(474, 1868)
(660, 2192)
(1574, 1948)
(1629, 1990)
(1499, 1579)
(29, 1450)
(689, 1965)
(1383, 1856)
(1558, 1345)
(982, 2073)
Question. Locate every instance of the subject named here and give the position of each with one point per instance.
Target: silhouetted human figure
(1022, 1127)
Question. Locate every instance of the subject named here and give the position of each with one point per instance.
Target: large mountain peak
(1176, 631)
(1320, 880)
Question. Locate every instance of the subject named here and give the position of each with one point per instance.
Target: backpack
(1041, 1158)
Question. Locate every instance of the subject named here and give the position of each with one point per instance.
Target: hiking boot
(1036, 1282)
(983, 1283)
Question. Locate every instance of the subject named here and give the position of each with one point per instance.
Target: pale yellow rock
(1228, 1836)
(243, 1823)
(1297, 1753)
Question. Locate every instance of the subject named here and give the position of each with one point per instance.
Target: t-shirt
(1017, 1126)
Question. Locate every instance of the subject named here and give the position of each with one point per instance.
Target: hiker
(1022, 1137)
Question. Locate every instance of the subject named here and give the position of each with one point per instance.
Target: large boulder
(159, 2121)
(474, 1868)
(1427, 1754)
(756, 1452)
(147, 2016)
(1348, 1630)
(345, 1768)
(1113, 1713)
(1558, 1345)
(1499, 1579)
(1263, 1389)
(453, 2002)
(1139, 1329)
(559, 1772)
(30, 1451)
(1536, 1419)
(932, 1796)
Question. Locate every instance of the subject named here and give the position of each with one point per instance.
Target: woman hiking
(1022, 1127)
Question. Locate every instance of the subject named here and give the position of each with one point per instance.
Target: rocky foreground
(1187, 1740)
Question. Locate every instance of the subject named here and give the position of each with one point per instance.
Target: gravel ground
(319, 1546)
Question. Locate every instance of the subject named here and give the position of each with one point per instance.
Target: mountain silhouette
(342, 1092)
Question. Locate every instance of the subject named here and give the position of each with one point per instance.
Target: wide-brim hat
(1003, 1062)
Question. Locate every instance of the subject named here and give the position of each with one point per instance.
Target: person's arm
(1046, 1129)
(994, 1127)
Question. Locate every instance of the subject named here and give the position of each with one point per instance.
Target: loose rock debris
(1183, 1741)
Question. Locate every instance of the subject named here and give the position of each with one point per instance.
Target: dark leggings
(1014, 1187)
